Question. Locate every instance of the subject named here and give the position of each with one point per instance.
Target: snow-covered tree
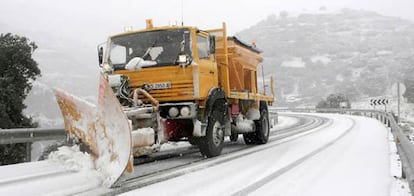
(335, 101)
(17, 70)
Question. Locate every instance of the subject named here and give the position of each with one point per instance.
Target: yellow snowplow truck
(171, 83)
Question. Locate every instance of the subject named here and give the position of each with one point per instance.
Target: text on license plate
(163, 85)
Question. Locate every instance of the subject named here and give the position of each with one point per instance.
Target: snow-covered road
(307, 154)
(50, 177)
(348, 157)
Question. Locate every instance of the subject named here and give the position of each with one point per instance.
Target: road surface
(307, 154)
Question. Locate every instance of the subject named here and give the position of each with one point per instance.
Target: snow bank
(67, 172)
(174, 145)
(39, 147)
(72, 158)
(284, 122)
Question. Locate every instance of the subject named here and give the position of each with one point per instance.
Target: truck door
(207, 68)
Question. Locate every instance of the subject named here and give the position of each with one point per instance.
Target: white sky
(94, 20)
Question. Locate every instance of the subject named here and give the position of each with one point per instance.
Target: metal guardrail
(404, 146)
(11, 136)
(405, 149)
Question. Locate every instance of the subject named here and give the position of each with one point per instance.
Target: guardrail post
(28, 152)
(387, 122)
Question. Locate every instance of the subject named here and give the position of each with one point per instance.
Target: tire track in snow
(312, 125)
(251, 188)
(303, 124)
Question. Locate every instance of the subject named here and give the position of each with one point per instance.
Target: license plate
(163, 85)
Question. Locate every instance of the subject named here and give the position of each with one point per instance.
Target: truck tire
(211, 145)
(193, 140)
(250, 138)
(262, 127)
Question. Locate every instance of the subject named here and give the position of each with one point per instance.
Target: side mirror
(100, 56)
(212, 44)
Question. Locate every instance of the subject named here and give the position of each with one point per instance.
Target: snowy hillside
(65, 63)
(358, 53)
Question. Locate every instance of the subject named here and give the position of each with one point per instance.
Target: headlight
(173, 112)
(185, 111)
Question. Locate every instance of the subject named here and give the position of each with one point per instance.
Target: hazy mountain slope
(65, 63)
(358, 53)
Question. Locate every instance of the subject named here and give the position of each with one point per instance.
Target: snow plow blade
(104, 129)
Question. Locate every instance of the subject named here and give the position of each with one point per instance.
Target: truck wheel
(262, 127)
(250, 138)
(212, 144)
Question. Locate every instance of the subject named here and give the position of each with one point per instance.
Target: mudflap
(105, 129)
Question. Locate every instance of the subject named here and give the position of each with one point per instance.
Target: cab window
(202, 47)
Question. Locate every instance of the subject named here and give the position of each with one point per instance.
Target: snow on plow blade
(104, 129)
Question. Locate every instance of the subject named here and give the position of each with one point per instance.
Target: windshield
(161, 47)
